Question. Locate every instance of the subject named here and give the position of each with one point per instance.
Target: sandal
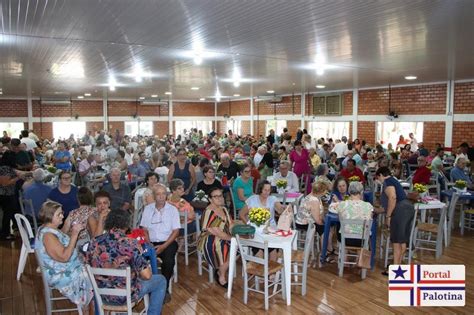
(217, 276)
(385, 273)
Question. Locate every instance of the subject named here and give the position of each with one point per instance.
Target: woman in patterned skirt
(214, 241)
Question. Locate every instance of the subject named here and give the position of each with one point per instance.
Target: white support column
(170, 117)
(215, 117)
(448, 130)
(105, 99)
(30, 112)
(251, 114)
(355, 112)
(303, 109)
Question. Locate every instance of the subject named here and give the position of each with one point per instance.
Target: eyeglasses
(217, 196)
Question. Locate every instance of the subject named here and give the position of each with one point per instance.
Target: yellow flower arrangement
(461, 184)
(259, 216)
(420, 188)
(354, 179)
(281, 183)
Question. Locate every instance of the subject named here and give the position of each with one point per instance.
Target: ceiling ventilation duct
(153, 103)
(269, 99)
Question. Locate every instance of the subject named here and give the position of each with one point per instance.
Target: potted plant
(354, 179)
(460, 185)
(258, 217)
(421, 189)
(281, 185)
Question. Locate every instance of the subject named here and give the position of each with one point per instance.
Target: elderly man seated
(458, 173)
(120, 194)
(161, 223)
(37, 192)
(115, 250)
(136, 170)
(228, 167)
(351, 170)
(292, 184)
(422, 174)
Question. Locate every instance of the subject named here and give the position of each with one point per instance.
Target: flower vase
(281, 190)
(258, 229)
(460, 190)
(423, 194)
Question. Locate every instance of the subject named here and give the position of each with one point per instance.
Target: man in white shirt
(290, 177)
(259, 155)
(30, 143)
(341, 149)
(413, 142)
(161, 223)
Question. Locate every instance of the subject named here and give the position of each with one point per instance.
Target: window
(276, 125)
(390, 132)
(328, 129)
(235, 126)
(143, 128)
(13, 129)
(64, 129)
(181, 125)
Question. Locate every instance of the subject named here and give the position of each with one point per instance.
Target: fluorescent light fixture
(73, 69)
(112, 82)
(410, 77)
(168, 93)
(236, 95)
(142, 97)
(87, 94)
(80, 97)
(195, 88)
(236, 77)
(154, 95)
(218, 95)
(202, 99)
(319, 86)
(270, 91)
(197, 59)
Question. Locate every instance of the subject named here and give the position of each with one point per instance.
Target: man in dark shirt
(120, 195)
(271, 137)
(228, 167)
(23, 160)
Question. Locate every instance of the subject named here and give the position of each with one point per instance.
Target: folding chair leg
(246, 288)
(21, 262)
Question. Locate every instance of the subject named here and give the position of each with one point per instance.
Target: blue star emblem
(399, 272)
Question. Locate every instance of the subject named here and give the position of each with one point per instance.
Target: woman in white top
(262, 199)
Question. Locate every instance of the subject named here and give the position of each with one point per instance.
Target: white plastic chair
(451, 210)
(190, 246)
(259, 269)
(27, 239)
(300, 259)
(363, 235)
(26, 206)
(424, 233)
(49, 298)
(123, 292)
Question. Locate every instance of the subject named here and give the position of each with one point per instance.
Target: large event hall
(238, 156)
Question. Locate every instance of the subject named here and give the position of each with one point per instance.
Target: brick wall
(95, 126)
(13, 108)
(433, 132)
(128, 108)
(43, 130)
(464, 98)
(120, 125)
(463, 131)
(234, 108)
(80, 108)
(366, 131)
(287, 106)
(160, 128)
(193, 109)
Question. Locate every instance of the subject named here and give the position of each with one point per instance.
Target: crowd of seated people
(166, 172)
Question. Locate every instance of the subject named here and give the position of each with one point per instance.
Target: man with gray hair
(37, 192)
(292, 184)
(259, 155)
(120, 194)
(228, 167)
(458, 173)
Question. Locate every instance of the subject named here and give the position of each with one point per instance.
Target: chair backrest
(25, 230)
(356, 224)
(26, 206)
(246, 254)
(452, 206)
(183, 218)
(98, 292)
(46, 288)
(232, 198)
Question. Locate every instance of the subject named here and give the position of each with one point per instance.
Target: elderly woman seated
(177, 200)
(62, 267)
(353, 208)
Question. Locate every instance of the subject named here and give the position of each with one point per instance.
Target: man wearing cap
(37, 192)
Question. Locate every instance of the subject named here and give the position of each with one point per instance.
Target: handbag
(285, 220)
(243, 229)
(365, 255)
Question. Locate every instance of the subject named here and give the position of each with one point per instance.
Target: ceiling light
(195, 88)
(320, 86)
(72, 69)
(112, 88)
(154, 95)
(410, 77)
(197, 59)
(168, 93)
(80, 97)
(218, 95)
(142, 97)
(87, 94)
(202, 99)
(236, 77)
(236, 95)
(270, 91)
(112, 82)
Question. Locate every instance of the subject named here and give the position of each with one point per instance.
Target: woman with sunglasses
(214, 241)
